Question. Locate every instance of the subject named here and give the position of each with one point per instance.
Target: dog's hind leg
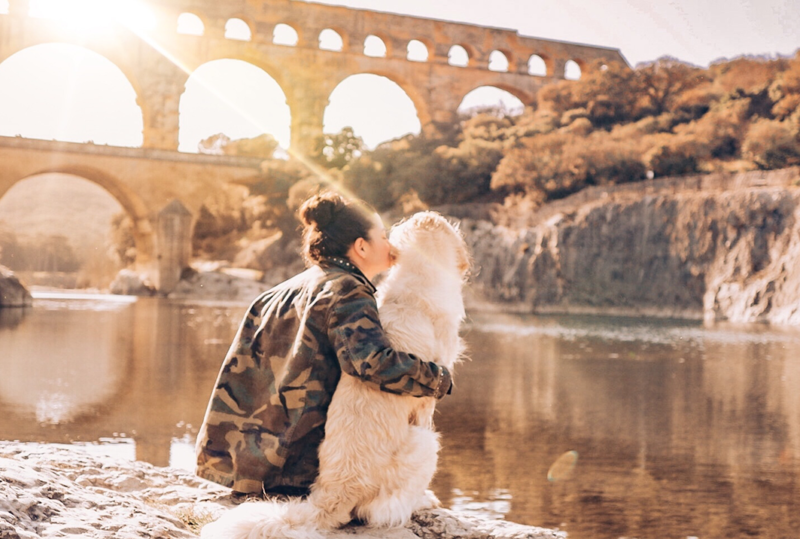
(334, 507)
(405, 481)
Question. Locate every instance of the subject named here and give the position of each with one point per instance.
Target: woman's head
(336, 227)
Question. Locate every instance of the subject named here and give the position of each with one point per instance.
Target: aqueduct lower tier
(159, 60)
(162, 191)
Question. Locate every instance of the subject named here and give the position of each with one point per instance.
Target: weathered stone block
(12, 292)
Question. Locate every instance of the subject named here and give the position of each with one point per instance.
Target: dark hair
(331, 224)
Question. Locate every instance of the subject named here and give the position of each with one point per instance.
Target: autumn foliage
(615, 125)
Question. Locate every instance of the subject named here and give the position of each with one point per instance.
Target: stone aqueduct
(159, 62)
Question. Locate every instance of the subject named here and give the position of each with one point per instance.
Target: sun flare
(95, 15)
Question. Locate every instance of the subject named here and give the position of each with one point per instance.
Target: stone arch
(522, 95)
(131, 202)
(190, 24)
(118, 60)
(417, 98)
(412, 91)
(418, 51)
(378, 44)
(270, 71)
(238, 29)
(285, 34)
(261, 61)
(335, 39)
(573, 69)
(538, 66)
(501, 61)
(455, 53)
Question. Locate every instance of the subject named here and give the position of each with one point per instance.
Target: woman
(266, 417)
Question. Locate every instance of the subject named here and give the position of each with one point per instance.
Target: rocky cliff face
(720, 248)
(12, 292)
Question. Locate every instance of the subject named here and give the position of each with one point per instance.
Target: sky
(63, 92)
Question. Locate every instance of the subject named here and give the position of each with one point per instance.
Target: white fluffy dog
(380, 449)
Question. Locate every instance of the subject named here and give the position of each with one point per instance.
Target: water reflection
(681, 430)
(683, 436)
(141, 371)
(69, 366)
(11, 318)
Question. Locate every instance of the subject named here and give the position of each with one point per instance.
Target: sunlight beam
(95, 15)
(100, 15)
(319, 172)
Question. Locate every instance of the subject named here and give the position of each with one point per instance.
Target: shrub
(556, 165)
(673, 156)
(771, 144)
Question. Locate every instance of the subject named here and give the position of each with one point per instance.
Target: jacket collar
(349, 267)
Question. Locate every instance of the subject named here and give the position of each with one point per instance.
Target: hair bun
(319, 210)
(331, 224)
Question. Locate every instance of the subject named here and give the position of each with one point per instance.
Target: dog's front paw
(428, 501)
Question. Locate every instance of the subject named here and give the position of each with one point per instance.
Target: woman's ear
(359, 247)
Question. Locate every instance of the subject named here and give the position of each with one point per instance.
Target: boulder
(12, 292)
(57, 490)
(277, 258)
(129, 283)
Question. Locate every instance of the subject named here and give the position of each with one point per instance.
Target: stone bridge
(158, 60)
(160, 190)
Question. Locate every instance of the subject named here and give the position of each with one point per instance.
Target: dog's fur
(380, 449)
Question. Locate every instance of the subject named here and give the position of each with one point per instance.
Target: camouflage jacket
(266, 417)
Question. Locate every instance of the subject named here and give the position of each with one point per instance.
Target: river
(602, 427)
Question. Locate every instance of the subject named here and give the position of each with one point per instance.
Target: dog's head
(428, 238)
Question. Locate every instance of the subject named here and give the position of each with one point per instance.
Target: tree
(662, 81)
(785, 90)
(771, 144)
(609, 92)
(220, 144)
(261, 146)
(214, 145)
(553, 166)
(674, 156)
(339, 149)
(745, 75)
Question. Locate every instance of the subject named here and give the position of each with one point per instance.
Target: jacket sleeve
(364, 351)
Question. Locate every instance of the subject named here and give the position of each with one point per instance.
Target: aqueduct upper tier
(158, 60)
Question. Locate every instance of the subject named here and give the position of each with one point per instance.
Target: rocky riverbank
(62, 491)
(719, 247)
(715, 247)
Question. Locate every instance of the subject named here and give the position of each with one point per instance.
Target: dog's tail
(295, 519)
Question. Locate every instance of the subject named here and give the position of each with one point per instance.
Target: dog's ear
(430, 220)
(427, 221)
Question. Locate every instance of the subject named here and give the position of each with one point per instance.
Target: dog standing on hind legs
(380, 450)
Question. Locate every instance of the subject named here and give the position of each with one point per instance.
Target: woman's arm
(364, 351)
